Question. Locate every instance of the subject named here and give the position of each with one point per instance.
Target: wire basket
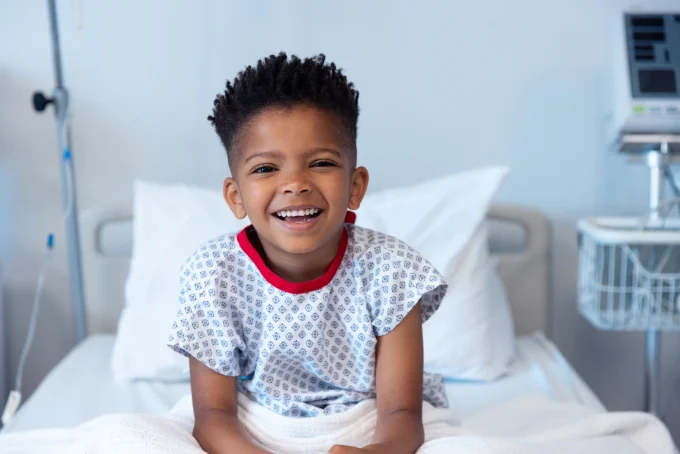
(629, 274)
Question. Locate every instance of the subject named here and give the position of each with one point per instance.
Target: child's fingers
(342, 449)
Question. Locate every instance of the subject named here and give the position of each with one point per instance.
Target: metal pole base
(653, 345)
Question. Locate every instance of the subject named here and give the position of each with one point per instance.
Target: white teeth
(307, 212)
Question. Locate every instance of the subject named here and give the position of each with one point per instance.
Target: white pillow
(438, 218)
(471, 336)
(170, 222)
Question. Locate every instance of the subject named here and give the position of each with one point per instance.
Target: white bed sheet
(81, 387)
(539, 369)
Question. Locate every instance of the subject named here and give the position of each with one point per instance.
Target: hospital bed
(81, 386)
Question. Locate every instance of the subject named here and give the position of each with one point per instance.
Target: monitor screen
(657, 81)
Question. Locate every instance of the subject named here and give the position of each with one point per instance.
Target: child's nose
(296, 185)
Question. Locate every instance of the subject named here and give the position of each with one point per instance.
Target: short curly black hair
(279, 81)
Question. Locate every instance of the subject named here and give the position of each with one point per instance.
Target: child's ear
(357, 188)
(232, 196)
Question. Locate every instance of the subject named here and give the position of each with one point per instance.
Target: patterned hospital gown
(302, 349)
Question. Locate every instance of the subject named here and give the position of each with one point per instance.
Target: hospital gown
(303, 349)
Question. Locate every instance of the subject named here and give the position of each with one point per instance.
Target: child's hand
(342, 449)
(372, 449)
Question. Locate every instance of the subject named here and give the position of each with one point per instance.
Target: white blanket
(528, 426)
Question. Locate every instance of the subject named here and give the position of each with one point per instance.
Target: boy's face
(294, 178)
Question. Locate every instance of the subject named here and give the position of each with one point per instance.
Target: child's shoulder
(214, 252)
(368, 241)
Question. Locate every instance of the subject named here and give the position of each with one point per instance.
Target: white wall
(444, 86)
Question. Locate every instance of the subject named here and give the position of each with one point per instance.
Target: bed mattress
(81, 387)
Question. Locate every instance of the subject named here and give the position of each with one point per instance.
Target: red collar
(295, 287)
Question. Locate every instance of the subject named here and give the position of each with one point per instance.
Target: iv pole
(60, 99)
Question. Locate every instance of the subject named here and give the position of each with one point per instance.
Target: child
(303, 312)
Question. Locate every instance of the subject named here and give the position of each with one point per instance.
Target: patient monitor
(651, 103)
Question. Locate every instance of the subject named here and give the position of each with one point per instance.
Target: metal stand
(656, 160)
(60, 99)
(653, 349)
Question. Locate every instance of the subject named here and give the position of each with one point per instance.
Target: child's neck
(298, 267)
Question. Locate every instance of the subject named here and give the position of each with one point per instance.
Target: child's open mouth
(298, 216)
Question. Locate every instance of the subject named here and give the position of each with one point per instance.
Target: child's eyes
(264, 169)
(324, 164)
(269, 169)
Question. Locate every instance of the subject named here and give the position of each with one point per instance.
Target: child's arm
(399, 389)
(214, 396)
